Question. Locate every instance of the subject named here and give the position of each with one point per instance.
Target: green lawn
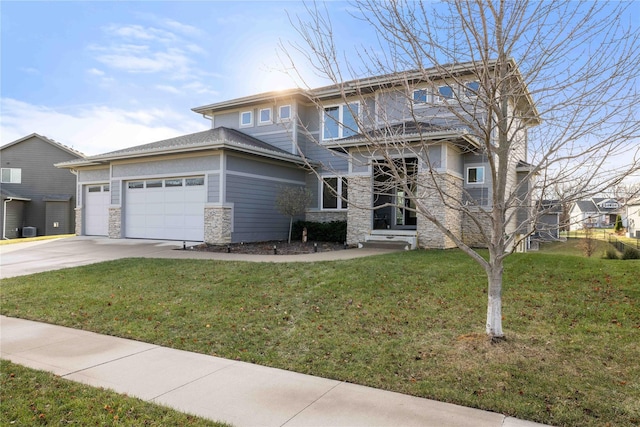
(31, 397)
(411, 322)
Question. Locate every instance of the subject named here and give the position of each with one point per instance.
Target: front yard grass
(411, 322)
(31, 397)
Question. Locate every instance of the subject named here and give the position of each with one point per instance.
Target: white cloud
(140, 32)
(167, 88)
(183, 28)
(94, 129)
(95, 72)
(30, 70)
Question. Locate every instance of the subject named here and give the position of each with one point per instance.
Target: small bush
(334, 231)
(630, 253)
(611, 253)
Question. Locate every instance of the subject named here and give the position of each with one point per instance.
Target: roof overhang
(448, 135)
(105, 159)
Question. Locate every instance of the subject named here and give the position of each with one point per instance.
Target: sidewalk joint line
(111, 360)
(312, 403)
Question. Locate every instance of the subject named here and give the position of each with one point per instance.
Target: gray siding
(15, 217)
(58, 213)
(213, 188)
(480, 193)
(116, 190)
(167, 167)
(255, 217)
(93, 175)
(272, 170)
(40, 178)
(252, 188)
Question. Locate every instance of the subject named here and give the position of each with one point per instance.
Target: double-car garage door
(171, 209)
(168, 209)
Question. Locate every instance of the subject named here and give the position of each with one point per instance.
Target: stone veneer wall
(217, 224)
(359, 211)
(470, 232)
(325, 216)
(115, 223)
(78, 229)
(430, 236)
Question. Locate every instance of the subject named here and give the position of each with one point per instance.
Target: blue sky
(99, 76)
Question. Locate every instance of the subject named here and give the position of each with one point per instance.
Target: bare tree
(554, 96)
(292, 201)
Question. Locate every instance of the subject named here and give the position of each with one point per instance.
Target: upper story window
(334, 193)
(246, 118)
(340, 121)
(284, 112)
(475, 175)
(265, 116)
(445, 92)
(421, 96)
(471, 89)
(11, 175)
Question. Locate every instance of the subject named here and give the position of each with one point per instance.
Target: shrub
(630, 253)
(334, 231)
(618, 225)
(611, 253)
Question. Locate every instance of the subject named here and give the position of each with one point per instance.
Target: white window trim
(15, 175)
(439, 98)
(246, 125)
(476, 182)
(285, 119)
(340, 201)
(341, 108)
(265, 122)
(466, 89)
(428, 100)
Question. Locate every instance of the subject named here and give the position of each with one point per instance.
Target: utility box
(29, 231)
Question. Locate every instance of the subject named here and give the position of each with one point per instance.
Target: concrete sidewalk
(225, 390)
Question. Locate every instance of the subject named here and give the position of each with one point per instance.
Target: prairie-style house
(220, 185)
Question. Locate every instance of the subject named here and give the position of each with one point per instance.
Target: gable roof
(8, 194)
(47, 140)
(218, 138)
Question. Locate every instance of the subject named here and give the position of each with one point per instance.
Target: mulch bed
(267, 248)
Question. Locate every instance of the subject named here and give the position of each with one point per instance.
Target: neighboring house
(632, 218)
(598, 212)
(548, 220)
(220, 185)
(37, 198)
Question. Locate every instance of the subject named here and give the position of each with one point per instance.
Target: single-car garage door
(96, 210)
(171, 209)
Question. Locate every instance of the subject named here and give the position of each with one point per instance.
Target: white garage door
(171, 209)
(96, 210)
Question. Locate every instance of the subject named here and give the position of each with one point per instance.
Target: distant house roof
(550, 206)
(45, 139)
(585, 206)
(7, 194)
(218, 138)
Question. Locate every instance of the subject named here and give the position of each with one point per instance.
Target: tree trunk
(290, 227)
(494, 306)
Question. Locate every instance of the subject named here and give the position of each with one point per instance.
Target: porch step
(385, 245)
(400, 239)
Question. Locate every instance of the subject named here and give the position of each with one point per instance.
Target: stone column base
(115, 223)
(217, 224)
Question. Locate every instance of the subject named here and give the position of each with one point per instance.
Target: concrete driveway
(19, 259)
